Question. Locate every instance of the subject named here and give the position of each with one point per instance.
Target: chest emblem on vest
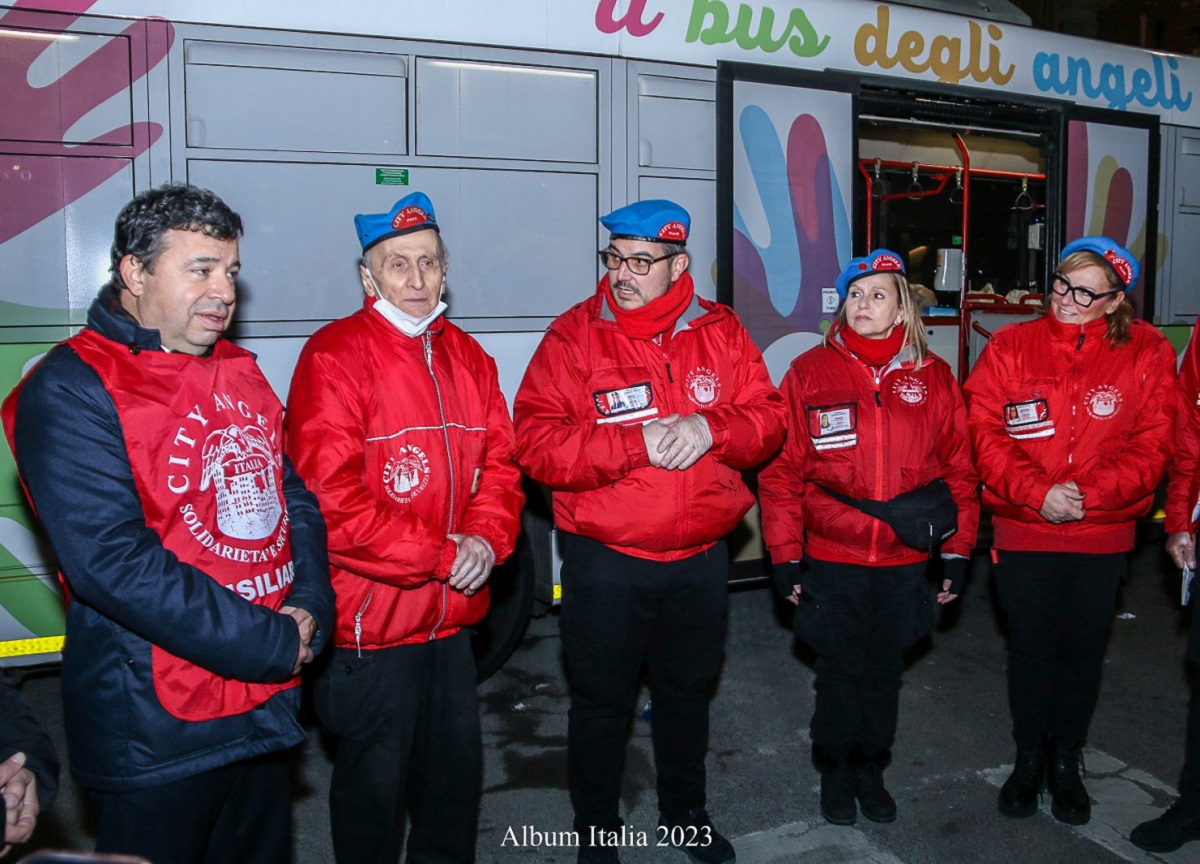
(911, 391)
(406, 474)
(1103, 402)
(239, 463)
(703, 386)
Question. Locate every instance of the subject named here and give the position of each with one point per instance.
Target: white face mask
(401, 320)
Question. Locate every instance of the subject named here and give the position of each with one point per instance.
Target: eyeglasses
(1083, 298)
(637, 266)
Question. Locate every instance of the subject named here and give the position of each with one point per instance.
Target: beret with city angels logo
(1117, 257)
(657, 220)
(879, 261)
(411, 213)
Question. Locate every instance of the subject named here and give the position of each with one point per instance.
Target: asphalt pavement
(953, 747)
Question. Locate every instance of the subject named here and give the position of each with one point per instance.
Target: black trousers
(618, 612)
(240, 812)
(409, 739)
(877, 614)
(1059, 606)
(1189, 777)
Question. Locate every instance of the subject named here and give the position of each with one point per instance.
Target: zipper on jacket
(358, 616)
(1079, 344)
(669, 378)
(874, 556)
(449, 465)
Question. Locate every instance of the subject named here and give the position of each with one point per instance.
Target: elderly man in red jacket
(640, 409)
(397, 423)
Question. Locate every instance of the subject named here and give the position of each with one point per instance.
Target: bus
(797, 134)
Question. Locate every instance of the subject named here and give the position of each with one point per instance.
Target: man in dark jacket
(193, 556)
(28, 767)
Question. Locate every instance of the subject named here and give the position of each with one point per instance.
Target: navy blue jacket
(128, 591)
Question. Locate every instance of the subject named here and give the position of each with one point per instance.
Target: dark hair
(143, 223)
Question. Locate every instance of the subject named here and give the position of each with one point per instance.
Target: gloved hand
(954, 576)
(787, 580)
(685, 441)
(472, 565)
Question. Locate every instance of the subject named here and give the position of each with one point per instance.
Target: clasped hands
(19, 787)
(675, 442)
(1063, 503)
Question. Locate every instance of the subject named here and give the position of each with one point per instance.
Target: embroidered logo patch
(673, 231)
(239, 463)
(703, 386)
(833, 427)
(911, 390)
(408, 217)
(1103, 402)
(1030, 419)
(406, 474)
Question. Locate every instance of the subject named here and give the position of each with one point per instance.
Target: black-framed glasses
(637, 266)
(1083, 297)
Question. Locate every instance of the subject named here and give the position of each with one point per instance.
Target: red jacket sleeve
(1182, 473)
(749, 428)
(781, 484)
(952, 445)
(1004, 466)
(494, 511)
(554, 446)
(325, 431)
(1130, 472)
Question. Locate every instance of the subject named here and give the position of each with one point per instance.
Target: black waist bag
(922, 518)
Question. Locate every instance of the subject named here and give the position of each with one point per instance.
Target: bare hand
(944, 596)
(684, 442)
(19, 787)
(1182, 549)
(794, 598)
(652, 434)
(1064, 503)
(472, 565)
(308, 628)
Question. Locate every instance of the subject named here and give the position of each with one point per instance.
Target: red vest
(204, 440)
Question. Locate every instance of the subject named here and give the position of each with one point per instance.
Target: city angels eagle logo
(703, 386)
(238, 469)
(406, 474)
(911, 390)
(1103, 402)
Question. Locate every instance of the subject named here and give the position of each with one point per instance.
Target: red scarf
(873, 352)
(657, 316)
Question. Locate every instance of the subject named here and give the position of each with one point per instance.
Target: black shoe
(1070, 802)
(693, 832)
(873, 800)
(1020, 792)
(837, 795)
(597, 854)
(1179, 825)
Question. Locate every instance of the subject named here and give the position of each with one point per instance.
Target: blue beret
(1119, 258)
(879, 261)
(659, 221)
(411, 213)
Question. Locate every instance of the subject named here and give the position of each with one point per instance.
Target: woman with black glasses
(1072, 419)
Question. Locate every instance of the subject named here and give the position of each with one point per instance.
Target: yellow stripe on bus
(39, 645)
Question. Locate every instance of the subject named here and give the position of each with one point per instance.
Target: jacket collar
(1093, 331)
(108, 318)
(906, 358)
(695, 314)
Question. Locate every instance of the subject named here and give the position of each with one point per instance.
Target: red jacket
(1183, 491)
(404, 441)
(865, 437)
(1051, 403)
(579, 415)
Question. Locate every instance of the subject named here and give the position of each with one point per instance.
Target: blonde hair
(910, 307)
(1120, 320)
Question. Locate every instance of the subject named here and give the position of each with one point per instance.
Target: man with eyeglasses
(640, 409)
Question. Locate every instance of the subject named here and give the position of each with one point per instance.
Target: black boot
(693, 832)
(1070, 800)
(1020, 792)
(873, 800)
(1179, 825)
(837, 794)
